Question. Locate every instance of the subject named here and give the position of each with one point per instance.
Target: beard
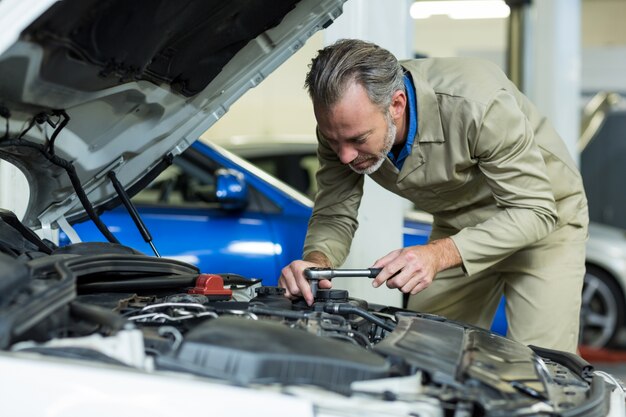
(379, 158)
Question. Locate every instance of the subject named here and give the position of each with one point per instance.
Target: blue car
(253, 232)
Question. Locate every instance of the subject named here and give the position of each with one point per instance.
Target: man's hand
(293, 281)
(412, 269)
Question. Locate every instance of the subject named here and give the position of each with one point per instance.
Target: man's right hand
(295, 284)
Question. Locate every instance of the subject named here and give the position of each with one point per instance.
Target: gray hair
(347, 60)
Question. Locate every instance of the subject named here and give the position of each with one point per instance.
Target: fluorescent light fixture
(461, 9)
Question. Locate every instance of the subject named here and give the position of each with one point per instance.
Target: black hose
(139, 284)
(64, 122)
(288, 314)
(345, 308)
(98, 315)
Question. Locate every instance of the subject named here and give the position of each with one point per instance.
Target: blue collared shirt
(410, 137)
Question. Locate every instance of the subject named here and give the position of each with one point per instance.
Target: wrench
(314, 275)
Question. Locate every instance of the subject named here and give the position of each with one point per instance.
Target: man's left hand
(412, 269)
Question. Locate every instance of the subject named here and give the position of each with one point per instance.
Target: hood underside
(100, 86)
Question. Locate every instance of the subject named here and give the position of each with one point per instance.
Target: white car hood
(139, 81)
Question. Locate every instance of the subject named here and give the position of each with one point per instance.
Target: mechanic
(460, 141)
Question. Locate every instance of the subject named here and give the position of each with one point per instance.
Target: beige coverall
(499, 181)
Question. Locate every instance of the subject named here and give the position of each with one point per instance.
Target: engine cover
(249, 351)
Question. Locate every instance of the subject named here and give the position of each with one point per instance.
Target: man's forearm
(446, 252)
(318, 258)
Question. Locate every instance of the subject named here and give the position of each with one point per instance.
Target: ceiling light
(460, 9)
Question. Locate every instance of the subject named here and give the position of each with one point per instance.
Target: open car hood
(115, 86)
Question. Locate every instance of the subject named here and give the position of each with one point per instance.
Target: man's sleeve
(334, 219)
(516, 173)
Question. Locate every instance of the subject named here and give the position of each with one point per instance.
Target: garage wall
(604, 46)
(603, 22)
(280, 105)
(262, 110)
(441, 36)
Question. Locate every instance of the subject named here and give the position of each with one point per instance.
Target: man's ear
(398, 104)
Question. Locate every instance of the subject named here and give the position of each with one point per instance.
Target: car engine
(104, 303)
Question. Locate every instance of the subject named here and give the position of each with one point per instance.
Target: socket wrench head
(314, 283)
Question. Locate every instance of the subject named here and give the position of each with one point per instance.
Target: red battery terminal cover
(211, 285)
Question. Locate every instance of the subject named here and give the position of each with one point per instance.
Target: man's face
(359, 132)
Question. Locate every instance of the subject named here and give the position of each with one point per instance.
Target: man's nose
(347, 153)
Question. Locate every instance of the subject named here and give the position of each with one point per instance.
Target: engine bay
(106, 304)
